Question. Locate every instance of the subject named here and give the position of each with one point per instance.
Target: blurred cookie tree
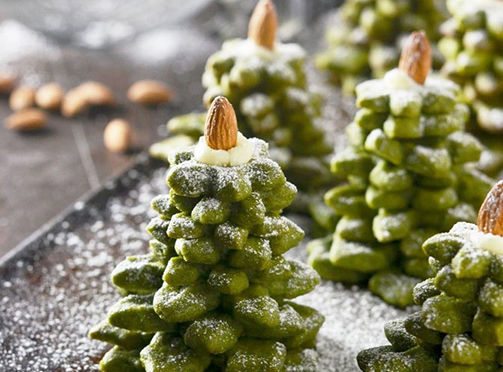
(367, 36)
(473, 47)
(411, 173)
(265, 80)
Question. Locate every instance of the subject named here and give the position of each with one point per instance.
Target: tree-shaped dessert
(265, 80)
(460, 324)
(411, 174)
(214, 293)
(367, 36)
(473, 47)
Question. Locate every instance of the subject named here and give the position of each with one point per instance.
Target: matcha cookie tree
(411, 173)
(473, 47)
(460, 325)
(367, 36)
(265, 81)
(214, 293)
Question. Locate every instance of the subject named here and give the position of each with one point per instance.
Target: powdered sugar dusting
(49, 302)
(354, 320)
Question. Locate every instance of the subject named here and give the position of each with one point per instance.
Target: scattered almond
(26, 120)
(149, 92)
(221, 127)
(263, 24)
(21, 98)
(73, 103)
(490, 218)
(416, 57)
(97, 94)
(117, 135)
(49, 96)
(91, 93)
(7, 83)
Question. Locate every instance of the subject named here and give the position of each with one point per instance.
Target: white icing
(396, 80)
(246, 48)
(238, 155)
(399, 80)
(487, 242)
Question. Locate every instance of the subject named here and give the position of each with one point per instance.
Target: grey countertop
(42, 173)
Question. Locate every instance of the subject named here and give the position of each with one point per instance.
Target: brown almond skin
(73, 103)
(117, 136)
(49, 96)
(416, 57)
(30, 119)
(91, 93)
(21, 98)
(263, 24)
(490, 218)
(221, 127)
(7, 83)
(96, 94)
(149, 92)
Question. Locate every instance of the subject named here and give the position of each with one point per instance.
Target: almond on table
(73, 103)
(88, 94)
(49, 96)
(21, 98)
(117, 135)
(30, 119)
(96, 94)
(7, 83)
(149, 92)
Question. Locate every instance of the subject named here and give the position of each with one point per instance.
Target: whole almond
(416, 57)
(117, 135)
(7, 83)
(73, 103)
(91, 93)
(263, 24)
(21, 98)
(96, 94)
(49, 96)
(221, 127)
(149, 92)
(26, 120)
(490, 218)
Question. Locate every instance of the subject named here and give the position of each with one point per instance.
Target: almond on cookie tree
(265, 80)
(458, 327)
(214, 293)
(365, 37)
(411, 173)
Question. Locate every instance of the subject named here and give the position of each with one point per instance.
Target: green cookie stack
(214, 293)
(265, 80)
(473, 47)
(411, 173)
(460, 325)
(367, 36)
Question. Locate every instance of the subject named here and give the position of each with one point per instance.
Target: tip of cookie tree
(263, 24)
(221, 127)
(416, 57)
(490, 218)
